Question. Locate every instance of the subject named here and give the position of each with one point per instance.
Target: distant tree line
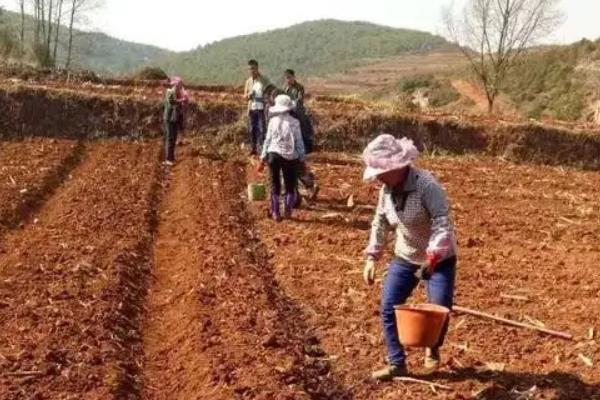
(311, 48)
(45, 19)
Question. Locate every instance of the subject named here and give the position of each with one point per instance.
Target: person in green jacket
(176, 98)
(296, 92)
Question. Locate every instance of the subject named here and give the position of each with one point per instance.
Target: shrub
(151, 74)
(409, 85)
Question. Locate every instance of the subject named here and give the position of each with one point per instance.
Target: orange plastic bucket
(420, 325)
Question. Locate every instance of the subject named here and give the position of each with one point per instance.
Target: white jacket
(284, 137)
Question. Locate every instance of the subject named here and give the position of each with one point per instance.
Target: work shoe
(390, 372)
(432, 360)
(290, 201)
(275, 213)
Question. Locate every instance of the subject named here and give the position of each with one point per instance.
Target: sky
(185, 24)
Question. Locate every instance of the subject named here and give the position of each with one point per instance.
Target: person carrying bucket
(414, 203)
(283, 149)
(176, 98)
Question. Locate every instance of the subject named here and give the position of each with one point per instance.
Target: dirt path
(477, 95)
(176, 331)
(218, 326)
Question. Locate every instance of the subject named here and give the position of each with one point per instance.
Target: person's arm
(300, 95)
(379, 228)
(442, 230)
(298, 141)
(184, 99)
(248, 93)
(267, 142)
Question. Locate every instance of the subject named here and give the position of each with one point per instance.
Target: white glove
(369, 272)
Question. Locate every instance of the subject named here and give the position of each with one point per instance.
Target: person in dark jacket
(176, 99)
(297, 93)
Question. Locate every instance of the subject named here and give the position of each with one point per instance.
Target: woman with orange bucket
(413, 203)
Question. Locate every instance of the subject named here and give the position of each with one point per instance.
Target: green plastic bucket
(257, 192)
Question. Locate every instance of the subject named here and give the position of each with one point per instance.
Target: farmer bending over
(282, 151)
(176, 99)
(255, 92)
(413, 202)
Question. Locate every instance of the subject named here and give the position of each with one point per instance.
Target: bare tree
(78, 9)
(49, 35)
(492, 34)
(57, 28)
(74, 6)
(22, 31)
(44, 12)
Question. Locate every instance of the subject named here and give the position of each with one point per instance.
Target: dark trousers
(256, 129)
(171, 132)
(308, 134)
(289, 168)
(399, 285)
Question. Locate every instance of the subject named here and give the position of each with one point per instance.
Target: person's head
(176, 83)
(387, 159)
(283, 104)
(290, 76)
(253, 68)
(393, 178)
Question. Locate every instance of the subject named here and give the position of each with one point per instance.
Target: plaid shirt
(420, 214)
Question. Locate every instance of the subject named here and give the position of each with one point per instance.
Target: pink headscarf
(177, 81)
(386, 153)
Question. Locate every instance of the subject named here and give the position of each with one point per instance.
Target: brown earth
(31, 169)
(218, 326)
(231, 305)
(66, 276)
(122, 280)
(523, 230)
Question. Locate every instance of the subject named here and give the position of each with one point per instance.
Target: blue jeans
(398, 286)
(257, 129)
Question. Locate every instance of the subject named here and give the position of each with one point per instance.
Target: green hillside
(560, 82)
(91, 50)
(311, 48)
